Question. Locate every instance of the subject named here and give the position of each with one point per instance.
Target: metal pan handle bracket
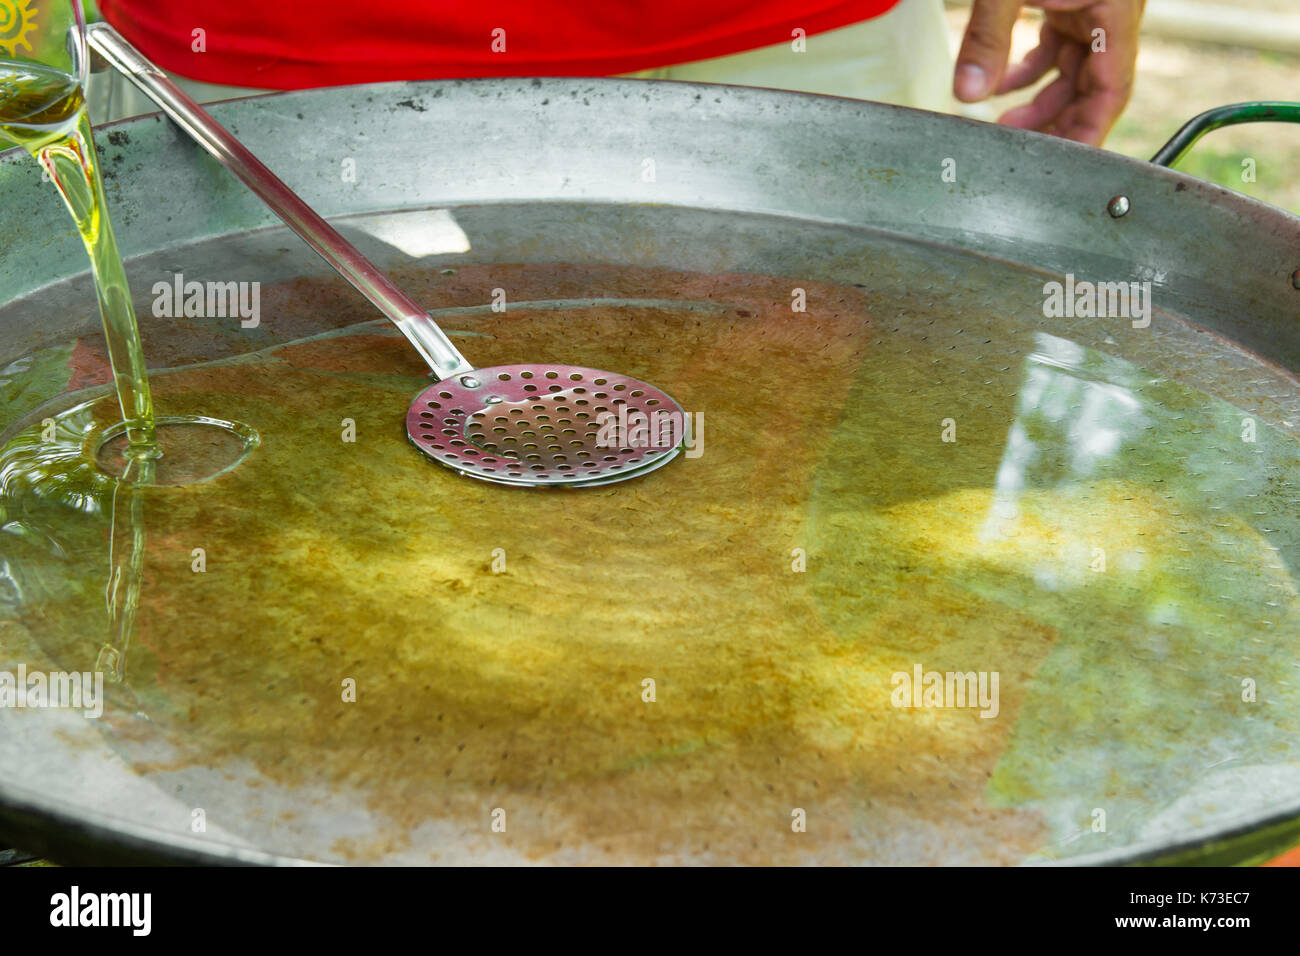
(1261, 111)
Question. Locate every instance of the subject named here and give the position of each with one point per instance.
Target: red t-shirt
(287, 45)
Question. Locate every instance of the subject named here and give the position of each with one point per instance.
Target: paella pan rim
(98, 838)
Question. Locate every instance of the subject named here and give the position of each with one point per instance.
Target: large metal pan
(927, 216)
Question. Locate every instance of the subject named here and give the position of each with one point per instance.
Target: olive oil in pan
(43, 111)
(982, 560)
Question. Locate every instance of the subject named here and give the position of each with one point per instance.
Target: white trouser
(901, 57)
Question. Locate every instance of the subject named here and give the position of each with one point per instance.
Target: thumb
(985, 48)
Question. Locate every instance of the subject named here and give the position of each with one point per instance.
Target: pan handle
(1260, 111)
(410, 319)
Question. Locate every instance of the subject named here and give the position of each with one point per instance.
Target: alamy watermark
(133, 911)
(67, 690)
(923, 688)
(633, 428)
(1098, 300)
(208, 300)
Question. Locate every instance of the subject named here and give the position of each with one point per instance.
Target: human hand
(1092, 44)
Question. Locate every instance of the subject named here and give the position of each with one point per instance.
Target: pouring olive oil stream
(43, 110)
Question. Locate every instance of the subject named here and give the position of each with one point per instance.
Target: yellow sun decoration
(17, 20)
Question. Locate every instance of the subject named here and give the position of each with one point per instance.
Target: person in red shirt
(879, 49)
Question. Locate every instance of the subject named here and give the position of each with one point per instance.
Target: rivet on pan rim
(1118, 206)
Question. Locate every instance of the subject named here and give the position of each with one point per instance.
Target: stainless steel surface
(555, 425)
(748, 184)
(1018, 196)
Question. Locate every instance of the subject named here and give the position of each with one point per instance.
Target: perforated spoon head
(541, 425)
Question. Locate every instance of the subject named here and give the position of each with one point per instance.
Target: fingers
(1090, 118)
(1036, 62)
(1052, 99)
(984, 48)
(1096, 56)
(1104, 88)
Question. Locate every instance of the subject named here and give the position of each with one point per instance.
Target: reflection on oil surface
(1128, 574)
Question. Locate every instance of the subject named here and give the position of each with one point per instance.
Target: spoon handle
(414, 322)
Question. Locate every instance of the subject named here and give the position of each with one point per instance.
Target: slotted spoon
(525, 425)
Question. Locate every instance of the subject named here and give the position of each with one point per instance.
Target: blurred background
(1194, 56)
